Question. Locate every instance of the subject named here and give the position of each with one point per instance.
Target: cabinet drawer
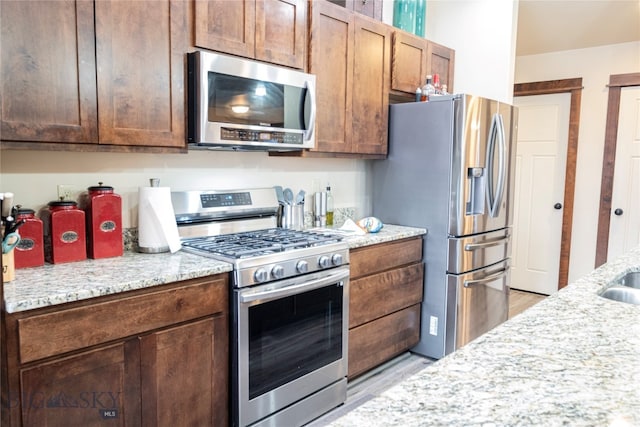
(376, 342)
(374, 296)
(61, 331)
(384, 256)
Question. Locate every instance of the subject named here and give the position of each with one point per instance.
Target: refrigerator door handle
(487, 244)
(496, 190)
(486, 280)
(502, 156)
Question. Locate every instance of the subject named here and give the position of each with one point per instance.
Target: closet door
(624, 228)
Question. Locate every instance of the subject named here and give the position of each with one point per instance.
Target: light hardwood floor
(519, 301)
(376, 381)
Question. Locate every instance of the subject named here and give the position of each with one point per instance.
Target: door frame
(616, 83)
(573, 87)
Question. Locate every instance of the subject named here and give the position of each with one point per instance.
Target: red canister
(30, 251)
(65, 239)
(103, 214)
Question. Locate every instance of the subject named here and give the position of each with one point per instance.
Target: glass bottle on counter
(427, 90)
(436, 84)
(329, 206)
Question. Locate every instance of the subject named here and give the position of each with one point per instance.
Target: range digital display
(225, 199)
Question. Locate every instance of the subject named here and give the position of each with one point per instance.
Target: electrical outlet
(433, 325)
(64, 192)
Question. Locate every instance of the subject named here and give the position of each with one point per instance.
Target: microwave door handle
(312, 116)
(502, 166)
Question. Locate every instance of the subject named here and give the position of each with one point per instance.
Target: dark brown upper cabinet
(79, 72)
(268, 30)
(414, 57)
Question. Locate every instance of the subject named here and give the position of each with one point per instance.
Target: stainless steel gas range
(289, 305)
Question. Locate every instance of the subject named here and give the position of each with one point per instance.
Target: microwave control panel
(250, 135)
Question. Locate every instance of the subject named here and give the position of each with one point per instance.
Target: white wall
(594, 65)
(34, 175)
(483, 35)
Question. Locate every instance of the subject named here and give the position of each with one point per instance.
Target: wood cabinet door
(140, 48)
(226, 26)
(331, 60)
(376, 342)
(185, 375)
(440, 61)
(47, 70)
(281, 32)
(370, 98)
(408, 62)
(95, 388)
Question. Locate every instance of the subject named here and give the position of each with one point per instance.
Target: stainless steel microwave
(240, 104)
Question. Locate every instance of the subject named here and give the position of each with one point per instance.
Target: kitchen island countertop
(54, 284)
(572, 359)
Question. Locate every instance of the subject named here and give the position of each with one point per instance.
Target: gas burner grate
(263, 242)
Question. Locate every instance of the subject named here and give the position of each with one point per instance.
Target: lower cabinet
(158, 358)
(386, 289)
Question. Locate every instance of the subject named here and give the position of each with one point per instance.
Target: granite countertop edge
(62, 283)
(572, 359)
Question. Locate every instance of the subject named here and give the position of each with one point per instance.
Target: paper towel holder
(148, 239)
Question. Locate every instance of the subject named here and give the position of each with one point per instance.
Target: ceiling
(554, 25)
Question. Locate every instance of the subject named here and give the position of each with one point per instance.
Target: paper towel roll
(157, 228)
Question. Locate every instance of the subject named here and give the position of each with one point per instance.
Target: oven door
(290, 342)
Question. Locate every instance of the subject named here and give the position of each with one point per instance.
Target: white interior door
(624, 230)
(541, 153)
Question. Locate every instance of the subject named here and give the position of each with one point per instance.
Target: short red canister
(103, 214)
(30, 251)
(65, 237)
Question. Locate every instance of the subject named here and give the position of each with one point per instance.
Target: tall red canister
(103, 214)
(30, 251)
(65, 237)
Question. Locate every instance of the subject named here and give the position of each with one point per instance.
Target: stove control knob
(302, 266)
(277, 272)
(260, 275)
(336, 259)
(324, 261)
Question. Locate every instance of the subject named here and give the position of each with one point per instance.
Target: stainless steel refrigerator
(450, 170)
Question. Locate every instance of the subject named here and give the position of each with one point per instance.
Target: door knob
(618, 212)
(557, 206)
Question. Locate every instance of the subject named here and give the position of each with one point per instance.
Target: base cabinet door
(385, 295)
(376, 342)
(94, 388)
(184, 375)
(153, 357)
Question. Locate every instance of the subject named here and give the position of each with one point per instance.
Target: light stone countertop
(60, 283)
(572, 359)
(388, 233)
(54, 284)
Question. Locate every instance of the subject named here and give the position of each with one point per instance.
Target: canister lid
(25, 212)
(62, 203)
(101, 188)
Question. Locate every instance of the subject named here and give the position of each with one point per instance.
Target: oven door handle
(333, 277)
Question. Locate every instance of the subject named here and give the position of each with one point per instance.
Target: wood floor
(519, 301)
(376, 381)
